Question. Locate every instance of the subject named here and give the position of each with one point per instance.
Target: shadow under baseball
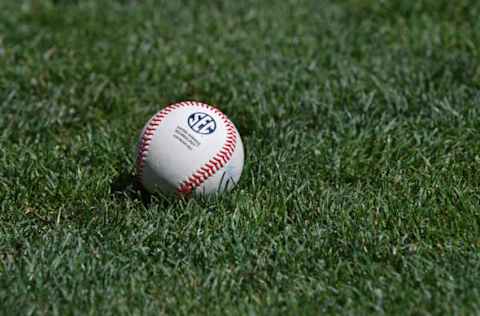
(126, 185)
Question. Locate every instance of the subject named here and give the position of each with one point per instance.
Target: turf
(360, 193)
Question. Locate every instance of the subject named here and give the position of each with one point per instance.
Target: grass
(360, 193)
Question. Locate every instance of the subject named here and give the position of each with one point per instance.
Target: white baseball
(189, 147)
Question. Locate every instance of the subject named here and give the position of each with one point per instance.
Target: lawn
(361, 188)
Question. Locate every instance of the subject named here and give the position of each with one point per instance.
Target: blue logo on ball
(202, 123)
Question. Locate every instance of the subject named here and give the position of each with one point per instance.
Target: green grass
(361, 189)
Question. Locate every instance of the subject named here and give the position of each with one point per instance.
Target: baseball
(189, 148)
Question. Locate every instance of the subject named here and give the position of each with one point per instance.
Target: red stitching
(220, 159)
(145, 140)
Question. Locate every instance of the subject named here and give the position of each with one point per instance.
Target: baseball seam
(208, 169)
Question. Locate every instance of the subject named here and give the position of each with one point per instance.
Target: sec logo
(202, 123)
